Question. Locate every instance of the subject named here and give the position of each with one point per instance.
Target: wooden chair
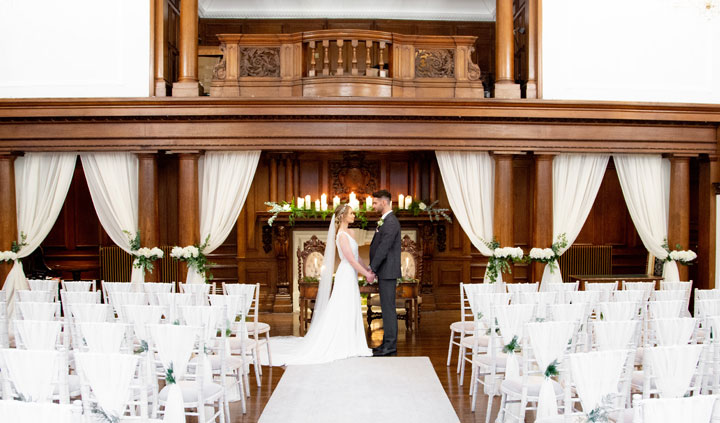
(411, 265)
(310, 260)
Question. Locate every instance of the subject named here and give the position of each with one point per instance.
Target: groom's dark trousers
(385, 263)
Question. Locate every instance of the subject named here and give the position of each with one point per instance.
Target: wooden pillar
(505, 86)
(188, 204)
(707, 222)
(8, 212)
(433, 181)
(416, 191)
(289, 173)
(160, 45)
(503, 214)
(542, 220)
(187, 85)
(148, 206)
(241, 244)
(532, 49)
(679, 219)
(273, 179)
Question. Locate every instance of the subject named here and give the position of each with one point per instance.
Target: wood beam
(679, 219)
(503, 209)
(187, 84)
(8, 213)
(188, 204)
(542, 220)
(707, 222)
(505, 86)
(148, 205)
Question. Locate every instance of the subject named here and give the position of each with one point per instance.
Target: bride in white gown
(337, 330)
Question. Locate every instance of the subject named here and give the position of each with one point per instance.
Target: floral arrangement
(679, 255)
(295, 212)
(499, 262)
(435, 213)
(11, 255)
(194, 257)
(144, 257)
(550, 255)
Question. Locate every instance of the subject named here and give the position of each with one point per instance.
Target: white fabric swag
(510, 320)
(645, 183)
(109, 377)
(224, 181)
(113, 182)
(596, 375)
(549, 341)
(469, 180)
(673, 368)
(616, 334)
(42, 181)
(38, 334)
(32, 372)
(576, 181)
(697, 409)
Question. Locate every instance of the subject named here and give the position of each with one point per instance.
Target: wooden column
(532, 49)
(148, 206)
(8, 212)
(289, 183)
(542, 209)
(679, 219)
(707, 222)
(187, 85)
(503, 214)
(160, 45)
(188, 204)
(241, 244)
(273, 179)
(505, 86)
(433, 181)
(416, 191)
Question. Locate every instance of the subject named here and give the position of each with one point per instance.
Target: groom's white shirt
(385, 215)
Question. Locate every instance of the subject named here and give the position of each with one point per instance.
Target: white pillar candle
(323, 200)
(308, 202)
(401, 201)
(317, 204)
(300, 203)
(368, 202)
(336, 202)
(323, 206)
(408, 201)
(352, 197)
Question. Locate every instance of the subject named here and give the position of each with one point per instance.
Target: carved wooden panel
(260, 61)
(313, 249)
(354, 174)
(434, 63)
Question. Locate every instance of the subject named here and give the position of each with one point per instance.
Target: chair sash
(49, 285)
(38, 311)
(248, 290)
(678, 331)
(32, 412)
(77, 286)
(471, 291)
(121, 298)
(511, 319)
(207, 317)
(109, 377)
(234, 305)
(568, 312)
(696, 409)
(549, 342)
(616, 334)
(153, 288)
(32, 372)
(541, 300)
(171, 301)
(561, 289)
(35, 296)
(513, 288)
(618, 310)
(200, 291)
(634, 295)
(91, 312)
(140, 316)
(80, 297)
(673, 368)
(707, 308)
(102, 337)
(669, 295)
(605, 289)
(596, 374)
(666, 309)
(582, 297)
(707, 294)
(38, 334)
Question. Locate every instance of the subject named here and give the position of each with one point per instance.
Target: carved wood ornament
(354, 174)
(260, 61)
(435, 63)
(311, 246)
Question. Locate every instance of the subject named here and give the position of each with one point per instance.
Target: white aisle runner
(402, 389)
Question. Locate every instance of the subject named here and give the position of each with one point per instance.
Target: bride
(336, 331)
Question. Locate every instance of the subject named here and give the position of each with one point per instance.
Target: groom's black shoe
(378, 348)
(385, 352)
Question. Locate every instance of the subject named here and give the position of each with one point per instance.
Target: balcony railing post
(381, 62)
(312, 71)
(340, 70)
(368, 58)
(354, 70)
(326, 58)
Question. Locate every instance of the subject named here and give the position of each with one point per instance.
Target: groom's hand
(372, 278)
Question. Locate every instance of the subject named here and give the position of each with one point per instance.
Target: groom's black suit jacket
(385, 249)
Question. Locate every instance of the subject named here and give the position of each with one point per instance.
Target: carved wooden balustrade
(346, 63)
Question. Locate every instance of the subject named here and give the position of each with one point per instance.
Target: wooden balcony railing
(347, 63)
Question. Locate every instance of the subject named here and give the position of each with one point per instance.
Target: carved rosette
(354, 174)
(435, 63)
(220, 69)
(260, 61)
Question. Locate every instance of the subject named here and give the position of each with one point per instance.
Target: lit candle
(408, 201)
(317, 204)
(336, 202)
(401, 201)
(368, 202)
(308, 202)
(301, 203)
(324, 206)
(352, 197)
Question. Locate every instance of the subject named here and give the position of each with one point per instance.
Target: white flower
(422, 206)
(176, 252)
(142, 252)
(500, 253)
(517, 253)
(683, 256)
(11, 256)
(190, 251)
(286, 207)
(157, 252)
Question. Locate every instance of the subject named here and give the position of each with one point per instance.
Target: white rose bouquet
(194, 256)
(12, 254)
(499, 262)
(144, 256)
(8, 256)
(679, 255)
(550, 255)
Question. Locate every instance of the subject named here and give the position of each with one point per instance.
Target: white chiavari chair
(615, 334)
(711, 380)
(579, 312)
(103, 337)
(255, 328)
(152, 288)
(37, 310)
(49, 285)
(27, 296)
(670, 371)
(4, 329)
(34, 375)
(696, 409)
(33, 412)
(185, 389)
(541, 300)
(561, 289)
(110, 287)
(91, 313)
(605, 288)
(679, 285)
(625, 310)
(200, 292)
(668, 295)
(69, 298)
(171, 302)
(545, 346)
(78, 286)
(119, 299)
(481, 306)
(513, 288)
(40, 335)
(465, 326)
(668, 332)
(665, 309)
(630, 295)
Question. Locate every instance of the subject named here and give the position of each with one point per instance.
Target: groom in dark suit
(385, 265)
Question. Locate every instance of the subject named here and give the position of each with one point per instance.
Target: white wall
(630, 50)
(74, 48)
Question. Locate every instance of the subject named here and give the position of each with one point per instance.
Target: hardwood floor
(431, 341)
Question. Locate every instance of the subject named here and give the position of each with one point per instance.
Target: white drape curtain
(41, 185)
(645, 183)
(469, 179)
(224, 182)
(576, 181)
(113, 182)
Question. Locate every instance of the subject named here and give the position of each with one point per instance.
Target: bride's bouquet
(144, 257)
(500, 260)
(194, 256)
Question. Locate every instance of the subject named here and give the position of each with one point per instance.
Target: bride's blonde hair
(340, 212)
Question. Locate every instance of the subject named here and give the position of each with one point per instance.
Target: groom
(385, 265)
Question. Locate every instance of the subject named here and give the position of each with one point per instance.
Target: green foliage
(552, 369)
(512, 347)
(310, 279)
(170, 375)
(16, 247)
(104, 416)
(142, 348)
(496, 265)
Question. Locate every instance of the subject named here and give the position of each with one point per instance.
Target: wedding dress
(337, 330)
